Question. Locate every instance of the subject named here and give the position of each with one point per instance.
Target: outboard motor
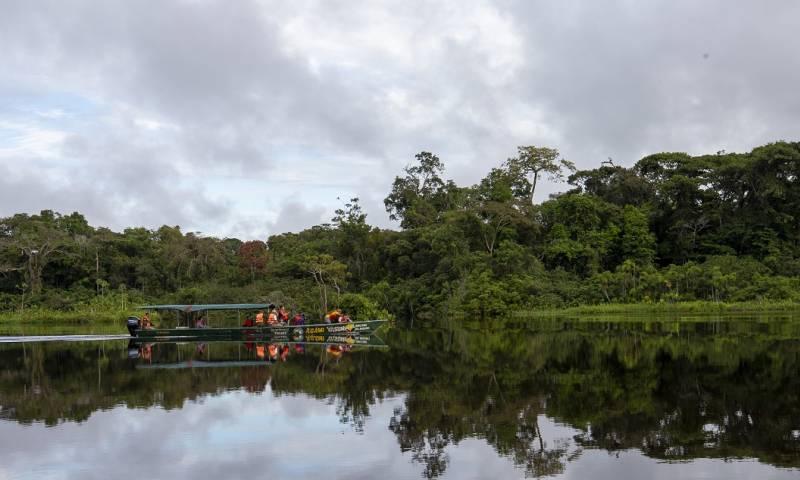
(133, 325)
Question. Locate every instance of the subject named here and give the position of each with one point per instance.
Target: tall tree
(36, 240)
(419, 197)
(493, 205)
(535, 161)
(352, 233)
(253, 257)
(327, 272)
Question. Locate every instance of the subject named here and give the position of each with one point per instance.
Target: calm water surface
(565, 399)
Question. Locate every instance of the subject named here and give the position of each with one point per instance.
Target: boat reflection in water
(169, 354)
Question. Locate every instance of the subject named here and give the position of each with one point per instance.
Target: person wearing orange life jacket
(272, 316)
(333, 316)
(146, 323)
(260, 318)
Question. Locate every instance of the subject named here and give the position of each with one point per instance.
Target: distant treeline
(672, 227)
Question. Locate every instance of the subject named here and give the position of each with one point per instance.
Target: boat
(372, 341)
(316, 332)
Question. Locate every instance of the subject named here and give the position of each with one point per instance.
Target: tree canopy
(670, 227)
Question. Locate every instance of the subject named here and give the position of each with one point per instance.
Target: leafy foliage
(672, 227)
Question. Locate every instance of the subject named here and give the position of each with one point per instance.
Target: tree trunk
(34, 274)
(533, 185)
(325, 298)
(338, 292)
(97, 270)
(489, 244)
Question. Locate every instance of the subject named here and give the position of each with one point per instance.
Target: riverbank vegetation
(671, 228)
(697, 307)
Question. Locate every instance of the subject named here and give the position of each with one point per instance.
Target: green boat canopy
(206, 307)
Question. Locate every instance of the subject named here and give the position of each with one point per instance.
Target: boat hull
(357, 340)
(317, 332)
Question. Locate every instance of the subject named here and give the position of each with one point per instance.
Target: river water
(605, 399)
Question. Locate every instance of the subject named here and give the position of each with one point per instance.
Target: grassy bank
(83, 319)
(63, 308)
(695, 308)
(84, 315)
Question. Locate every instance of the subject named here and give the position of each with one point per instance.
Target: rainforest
(672, 229)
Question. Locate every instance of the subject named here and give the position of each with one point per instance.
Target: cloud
(198, 101)
(295, 216)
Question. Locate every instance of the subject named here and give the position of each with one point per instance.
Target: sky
(253, 118)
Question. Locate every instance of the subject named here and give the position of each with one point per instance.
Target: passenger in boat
(299, 319)
(260, 351)
(248, 322)
(284, 353)
(344, 318)
(272, 316)
(283, 315)
(200, 322)
(260, 317)
(333, 316)
(146, 323)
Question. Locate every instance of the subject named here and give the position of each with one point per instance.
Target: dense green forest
(672, 227)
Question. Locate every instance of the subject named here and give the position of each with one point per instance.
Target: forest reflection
(674, 391)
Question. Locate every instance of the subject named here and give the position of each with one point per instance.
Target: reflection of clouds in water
(240, 435)
(233, 435)
(297, 406)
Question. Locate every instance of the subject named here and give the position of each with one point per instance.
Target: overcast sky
(248, 118)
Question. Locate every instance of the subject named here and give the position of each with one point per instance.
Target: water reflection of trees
(672, 395)
(513, 431)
